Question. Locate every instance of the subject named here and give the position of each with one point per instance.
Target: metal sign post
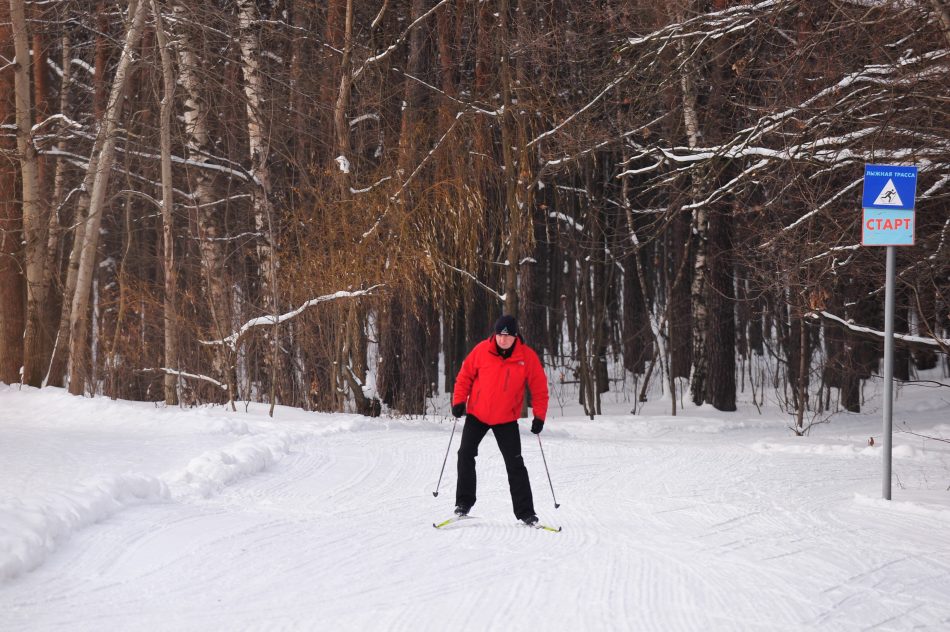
(888, 370)
(888, 202)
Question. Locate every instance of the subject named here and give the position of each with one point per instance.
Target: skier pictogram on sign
(889, 187)
(888, 195)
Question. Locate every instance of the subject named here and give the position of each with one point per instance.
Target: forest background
(325, 204)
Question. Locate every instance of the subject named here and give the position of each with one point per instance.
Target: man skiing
(490, 386)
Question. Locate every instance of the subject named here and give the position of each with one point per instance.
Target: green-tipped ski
(452, 520)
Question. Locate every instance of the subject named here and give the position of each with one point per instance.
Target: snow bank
(30, 530)
(33, 530)
(917, 509)
(214, 470)
(898, 451)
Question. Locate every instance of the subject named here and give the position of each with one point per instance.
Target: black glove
(537, 425)
(458, 410)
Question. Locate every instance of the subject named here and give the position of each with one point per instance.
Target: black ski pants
(509, 442)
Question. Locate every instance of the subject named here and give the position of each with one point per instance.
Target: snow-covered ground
(122, 516)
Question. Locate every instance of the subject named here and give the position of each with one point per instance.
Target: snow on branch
(82, 162)
(567, 220)
(924, 149)
(236, 171)
(245, 235)
(833, 252)
(399, 40)
(827, 202)
(873, 73)
(190, 376)
(370, 187)
(395, 196)
(714, 24)
(941, 343)
(823, 150)
(623, 137)
(275, 319)
(501, 297)
(610, 86)
(55, 118)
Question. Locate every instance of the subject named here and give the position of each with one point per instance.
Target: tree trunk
(341, 128)
(58, 362)
(11, 222)
(635, 325)
(598, 307)
(517, 177)
(34, 217)
(407, 334)
(801, 397)
(354, 357)
(79, 323)
(56, 302)
(589, 397)
(250, 42)
(698, 311)
(720, 298)
(199, 147)
(170, 382)
(678, 300)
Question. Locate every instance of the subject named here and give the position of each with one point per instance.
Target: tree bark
(517, 177)
(250, 42)
(698, 311)
(55, 302)
(88, 248)
(56, 374)
(341, 126)
(11, 224)
(720, 298)
(678, 245)
(170, 381)
(198, 147)
(407, 335)
(34, 217)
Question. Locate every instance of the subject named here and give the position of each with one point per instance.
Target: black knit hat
(506, 325)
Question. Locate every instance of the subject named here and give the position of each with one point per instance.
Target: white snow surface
(119, 515)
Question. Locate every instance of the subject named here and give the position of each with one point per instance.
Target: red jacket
(493, 387)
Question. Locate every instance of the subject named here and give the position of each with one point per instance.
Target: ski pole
(436, 492)
(556, 503)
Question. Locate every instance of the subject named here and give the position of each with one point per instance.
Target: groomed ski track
(686, 523)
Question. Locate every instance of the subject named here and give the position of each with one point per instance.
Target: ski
(452, 520)
(455, 519)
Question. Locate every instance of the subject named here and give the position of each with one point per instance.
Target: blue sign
(887, 228)
(889, 187)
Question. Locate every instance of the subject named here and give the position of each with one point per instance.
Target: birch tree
(168, 228)
(249, 21)
(199, 150)
(58, 364)
(78, 351)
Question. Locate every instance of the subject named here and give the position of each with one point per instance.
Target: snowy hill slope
(116, 515)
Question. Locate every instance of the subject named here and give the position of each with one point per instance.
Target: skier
(491, 386)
